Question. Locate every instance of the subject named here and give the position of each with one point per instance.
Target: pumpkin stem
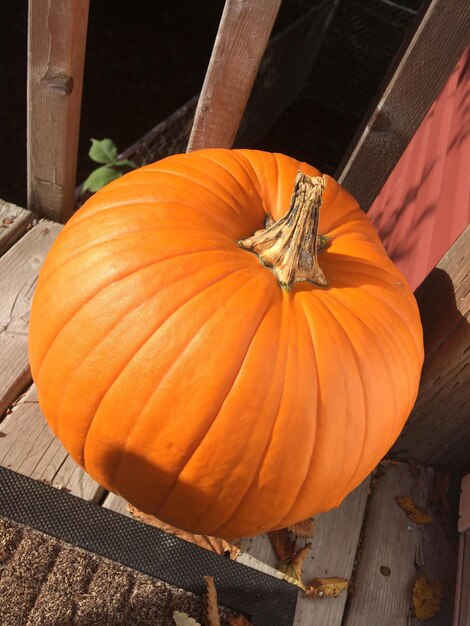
(291, 244)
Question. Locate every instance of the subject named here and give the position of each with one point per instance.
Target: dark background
(147, 58)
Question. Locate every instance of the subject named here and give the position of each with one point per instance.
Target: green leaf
(103, 151)
(100, 177)
(126, 163)
(183, 619)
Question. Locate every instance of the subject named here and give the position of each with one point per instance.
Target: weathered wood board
(239, 47)
(56, 55)
(28, 446)
(14, 221)
(437, 430)
(334, 544)
(395, 551)
(462, 595)
(19, 268)
(117, 504)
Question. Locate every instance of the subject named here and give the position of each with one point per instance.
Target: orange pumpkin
(179, 372)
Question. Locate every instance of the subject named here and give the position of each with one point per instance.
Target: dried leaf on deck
(283, 545)
(303, 529)
(183, 619)
(326, 587)
(214, 544)
(427, 597)
(239, 621)
(415, 514)
(293, 568)
(210, 609)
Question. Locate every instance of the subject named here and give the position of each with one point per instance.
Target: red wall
(425, 204)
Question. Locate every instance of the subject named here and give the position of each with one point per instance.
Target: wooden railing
(56, 52)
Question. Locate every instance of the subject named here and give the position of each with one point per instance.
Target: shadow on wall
(437, 430)
(424, 206)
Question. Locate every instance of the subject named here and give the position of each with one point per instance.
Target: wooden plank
(464, 509)
(334, 544)
(56, 54)
(239, 46)
(334, 547)
(14, 221)
(116, 504)
(19, 268)
(28, 446)
(437, 431)
(396, 550)
(458, 587)
(420, 70)
(462, 600)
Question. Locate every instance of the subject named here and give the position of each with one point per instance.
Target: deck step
(19, 268)
(28, 446)
(14, 222)
(395, 550)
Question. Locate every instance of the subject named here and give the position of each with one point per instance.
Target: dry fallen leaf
(303, 529)
(239, 621)
(415, 514)
(283, 545)
(293, 568)
(427, 597)
(214, 544)
(326, 587)
(210, 609)
(183, 619)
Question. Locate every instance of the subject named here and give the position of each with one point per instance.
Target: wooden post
(56, 54)
(420, 70)
(239, 46)
(437, 431)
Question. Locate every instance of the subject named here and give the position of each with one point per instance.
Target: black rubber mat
(267, 600)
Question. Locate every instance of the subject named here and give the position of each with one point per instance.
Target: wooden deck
(369, 540)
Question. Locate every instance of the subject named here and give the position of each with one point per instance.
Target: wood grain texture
(462, 596)
(334, 547)
(239, 46)
(14, 221)
(19, 268)
(437, 431)
(116, 504)
(396, 550)
(464, 509)
(334, 544)
(56, 53)
(28, 446)
(420, 70)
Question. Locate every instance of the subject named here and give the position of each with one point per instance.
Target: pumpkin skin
(175, 369)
